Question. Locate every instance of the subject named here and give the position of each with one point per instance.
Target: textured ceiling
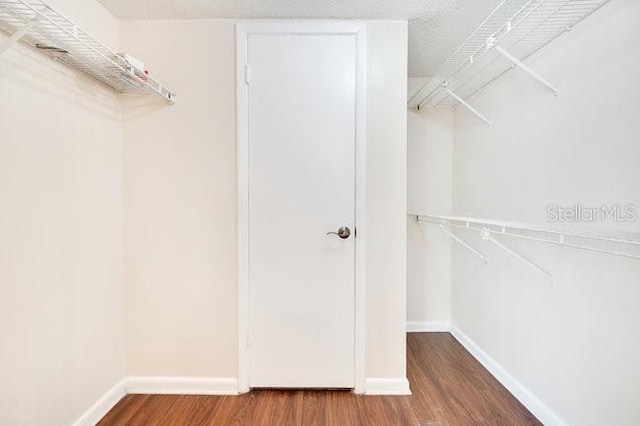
(436, 27)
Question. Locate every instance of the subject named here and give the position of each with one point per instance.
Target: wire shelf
(521, 27)
(625, 245)
(48, 31)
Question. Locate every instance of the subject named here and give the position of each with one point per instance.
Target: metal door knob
(343, 233)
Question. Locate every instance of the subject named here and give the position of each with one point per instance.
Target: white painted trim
(331, 27)
(182, 386)
(385, 386)
(522, 394)
(361, 209)
(242, 123)
(428, 326)
(103, 405)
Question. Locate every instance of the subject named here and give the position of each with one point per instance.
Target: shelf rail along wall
(511, 33)
(48, 31)
(492, 230)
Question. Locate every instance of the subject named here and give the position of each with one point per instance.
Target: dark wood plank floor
(449, 388)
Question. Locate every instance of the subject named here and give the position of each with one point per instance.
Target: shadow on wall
(24, 66)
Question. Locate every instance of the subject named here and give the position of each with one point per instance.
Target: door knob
(343, 233)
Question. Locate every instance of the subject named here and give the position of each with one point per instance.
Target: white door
(301, 149)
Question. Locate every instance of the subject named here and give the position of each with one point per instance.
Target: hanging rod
(511, 33)
(45, 29)
(488, 227)
(486, 235)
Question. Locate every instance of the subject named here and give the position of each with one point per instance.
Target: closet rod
(512, 229)
(513, 31)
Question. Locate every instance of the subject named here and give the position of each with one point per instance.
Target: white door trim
(242, 32)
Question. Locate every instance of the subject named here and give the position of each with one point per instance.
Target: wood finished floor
(449, 388)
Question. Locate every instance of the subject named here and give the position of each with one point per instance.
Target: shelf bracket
(491, 43)
(15, 37)
(463, 244)
(465, 103)
(486, 235)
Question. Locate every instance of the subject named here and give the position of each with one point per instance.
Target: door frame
(243, 31)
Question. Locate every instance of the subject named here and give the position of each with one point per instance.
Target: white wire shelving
(492, 230)
(511, 33)
(45, 29)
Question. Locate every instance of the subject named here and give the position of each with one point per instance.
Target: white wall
(430, 185)
(180, 208)
(180, 203)
(385, 354)
(61, 227)
(575, 347)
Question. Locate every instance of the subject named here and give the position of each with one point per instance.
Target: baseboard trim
(204, 386)
(182, 386)
(428, 326)
(385, 386)
(103, 405)
(373, 386)
(521, 393)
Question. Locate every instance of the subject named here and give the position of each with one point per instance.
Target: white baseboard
(103, 405)
(373, 386)
(428, 326)
(182, 385)
(522, 394)
(204, 386)
(384, 386)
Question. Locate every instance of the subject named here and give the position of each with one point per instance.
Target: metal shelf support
(464, 244)
(491, 43)
(486, 235)
(465, 103)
